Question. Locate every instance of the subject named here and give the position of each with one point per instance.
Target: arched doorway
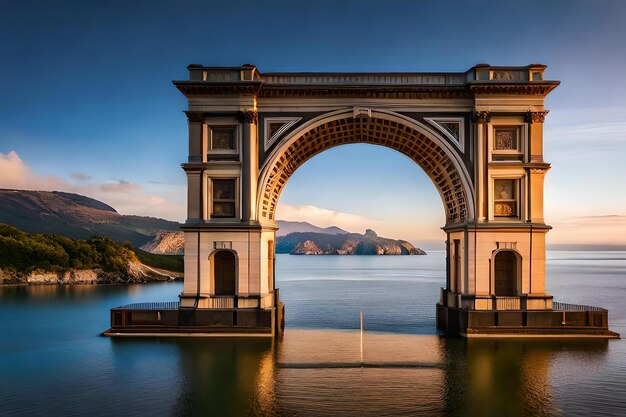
(225, 272)
(505, 273)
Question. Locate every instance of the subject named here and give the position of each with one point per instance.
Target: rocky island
(315, 243)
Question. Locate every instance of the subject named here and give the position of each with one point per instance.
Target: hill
(75, 216)
(287, 227)
(47, 258)
(303, 238)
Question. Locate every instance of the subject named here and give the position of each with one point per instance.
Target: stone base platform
(566, 320)
(169, 319)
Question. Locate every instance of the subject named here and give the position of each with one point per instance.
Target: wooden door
(224, 268)
(506, 271)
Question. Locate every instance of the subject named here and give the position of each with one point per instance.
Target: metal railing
(574, 307)
(221, 302)
(162, 305)
(507, 303)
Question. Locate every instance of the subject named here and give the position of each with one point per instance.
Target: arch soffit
(218, 250)
(347, 113)
(498, 251)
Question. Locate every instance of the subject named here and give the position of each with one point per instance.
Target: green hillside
(24, 252)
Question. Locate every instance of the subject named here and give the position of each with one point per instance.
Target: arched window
(506, 273)
(224, 272)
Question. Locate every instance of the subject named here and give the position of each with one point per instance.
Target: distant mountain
(309, 243)
(287, 227)
(173, 243)
(166, 243)
(75, 216)
(303, 238)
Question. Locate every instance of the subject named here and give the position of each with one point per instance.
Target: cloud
(581, 126)
(590, 229)
(603, 219)
(415, 229)
(16, 174)
(324, 217)
(126, 197)
(119, 186)
(79, 176)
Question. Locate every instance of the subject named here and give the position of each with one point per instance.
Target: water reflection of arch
(225, 376)
(434, 154)
(224, 272)
(508, 377)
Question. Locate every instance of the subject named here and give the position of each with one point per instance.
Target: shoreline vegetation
(27, 258)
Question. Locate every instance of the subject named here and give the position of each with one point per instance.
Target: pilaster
(197, 145)
(250, 167)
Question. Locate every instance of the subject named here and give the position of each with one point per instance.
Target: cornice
(513, 88)
(199, 88)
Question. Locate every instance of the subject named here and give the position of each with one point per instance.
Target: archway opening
(357, 187)
(505, 273)
(225, 272)
(437, 158)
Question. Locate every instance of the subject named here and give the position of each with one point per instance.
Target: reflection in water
(225, 377)
(47, 292)
(506, 377)
(306, 374)
(52, 361)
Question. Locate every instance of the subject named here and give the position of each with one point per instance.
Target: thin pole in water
(361, 336)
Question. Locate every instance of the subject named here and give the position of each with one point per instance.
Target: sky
(87, 104)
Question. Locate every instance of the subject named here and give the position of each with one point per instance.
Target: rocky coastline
(136, 273)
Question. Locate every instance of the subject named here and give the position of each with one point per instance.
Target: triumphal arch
(477, 134)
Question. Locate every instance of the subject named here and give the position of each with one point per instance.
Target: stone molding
(249, 116)
(194, 116)
(482, 117)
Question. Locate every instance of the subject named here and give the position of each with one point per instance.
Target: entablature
(482, 79)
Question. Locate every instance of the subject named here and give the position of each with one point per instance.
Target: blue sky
(87, 104)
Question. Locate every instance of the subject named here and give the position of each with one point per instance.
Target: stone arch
(425, 147)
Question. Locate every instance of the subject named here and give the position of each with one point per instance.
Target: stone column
(197, 144)
(482, 119)
(537, 173)
(195, 206)
(536, 120)
(250, 166)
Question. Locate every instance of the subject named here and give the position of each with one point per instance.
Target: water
(53, 361)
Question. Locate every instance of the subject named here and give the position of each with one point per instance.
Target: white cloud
(586, 126)
(324, 217)
(412, 228)
(126, 197)
(14, 173)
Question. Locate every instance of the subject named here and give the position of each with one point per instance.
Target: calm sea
(54, 363)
